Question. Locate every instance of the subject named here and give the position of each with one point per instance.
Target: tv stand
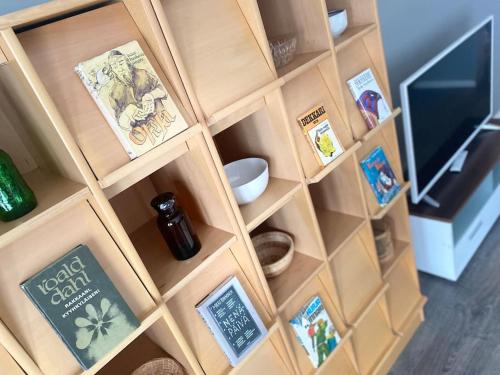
(446, 237)
(431, 201)
(458, 163)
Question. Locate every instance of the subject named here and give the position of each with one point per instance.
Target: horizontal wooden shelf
(385, 356)
(400, 331)
(384, 210)
(137, 169)
(370, 304)
(352, 34)
(284, 287)
(53, 193)
(400, 249)
(334, 164)
(333, 354)
(145, 324)
(277, 194)
(384, 123)
(337, 229)
(169, 274)
(301, 63)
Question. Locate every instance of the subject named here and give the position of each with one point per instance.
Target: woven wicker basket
(275, 252)
(383, 241)
(160, 366)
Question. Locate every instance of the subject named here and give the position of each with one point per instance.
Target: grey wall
(7, 6)
(414, 31)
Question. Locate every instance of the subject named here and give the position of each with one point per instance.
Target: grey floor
(461, 334)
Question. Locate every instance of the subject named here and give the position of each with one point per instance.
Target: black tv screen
(447, 101)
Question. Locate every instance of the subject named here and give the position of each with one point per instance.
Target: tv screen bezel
(416, 194)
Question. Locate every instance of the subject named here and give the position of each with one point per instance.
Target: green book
(81, 303)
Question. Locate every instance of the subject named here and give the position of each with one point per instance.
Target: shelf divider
(384, 210)
(352, 34)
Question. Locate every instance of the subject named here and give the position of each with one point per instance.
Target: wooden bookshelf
(215, 59)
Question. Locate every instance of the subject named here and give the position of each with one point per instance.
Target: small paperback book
(369, 98)
(82, 305)
(132, 98)
(320, 135)
(233, 320)
(315, 331)
(380, 176)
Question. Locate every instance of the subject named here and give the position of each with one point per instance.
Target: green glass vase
(16, 198)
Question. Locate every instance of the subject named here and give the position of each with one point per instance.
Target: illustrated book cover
(369, 98)
(233, 320)
(81, 303)
(132, 98)
(315, 331)
(380, 176)
(320, 135)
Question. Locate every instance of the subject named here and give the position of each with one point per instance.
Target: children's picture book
(83, 306)
(315, 331)
(380, 176)
(234, 322)
(132, 98)
(320, 135)
(369, 98)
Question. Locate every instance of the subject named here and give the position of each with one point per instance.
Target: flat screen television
(444, 104)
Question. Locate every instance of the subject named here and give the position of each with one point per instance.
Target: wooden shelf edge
(337, 349)
(236, 116)
(334, 164)
(381, 292)
(397, 260)
(311, 63)
(168, 294)
(145, 324)
(319, 268)
(281, 202)
(137, 169)
(373, 132)
(385, 356)
(359, 32)
(339, 248)
(384, 210)
(271, 331)
(422, 301)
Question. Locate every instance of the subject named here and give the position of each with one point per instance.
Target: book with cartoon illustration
(315, 331)
(380, 176)
(320, 135)
(369, 98)
(132, 98)
(81, 303)
(232, 319)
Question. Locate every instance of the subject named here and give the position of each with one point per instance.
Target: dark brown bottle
(175, 227)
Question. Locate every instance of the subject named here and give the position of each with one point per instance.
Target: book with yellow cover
(320, 135)
(132, 98)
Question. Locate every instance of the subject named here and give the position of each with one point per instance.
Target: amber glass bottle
(175, 227)
(16, 198)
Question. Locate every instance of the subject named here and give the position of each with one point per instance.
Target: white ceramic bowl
(248, 178)
(338, 21)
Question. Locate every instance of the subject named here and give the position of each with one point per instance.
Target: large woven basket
(160, 366)
(275, 252)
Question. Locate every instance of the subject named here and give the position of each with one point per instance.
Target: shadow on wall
(415, 31)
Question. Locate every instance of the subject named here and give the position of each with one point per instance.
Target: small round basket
(160, 366)
(383, 241)
(275, 252)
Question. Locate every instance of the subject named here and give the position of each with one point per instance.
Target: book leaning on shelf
(320, 135)
(380, 176)
(315, 331)
(232, 319)
(83, 306)
(132, 98)
(369, 98)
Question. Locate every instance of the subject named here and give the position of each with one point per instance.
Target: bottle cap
(165, 203)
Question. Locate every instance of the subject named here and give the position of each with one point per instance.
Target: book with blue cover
(81, 303)
(380, 176)
(315, 331)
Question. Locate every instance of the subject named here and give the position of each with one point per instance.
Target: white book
(132, 98)
(233, 320)
(369, 98)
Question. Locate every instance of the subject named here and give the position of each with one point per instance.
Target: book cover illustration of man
(132, 98)
(315, 331)
(380, 176)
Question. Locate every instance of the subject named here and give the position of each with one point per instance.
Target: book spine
(54, 326)
(108, 116)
